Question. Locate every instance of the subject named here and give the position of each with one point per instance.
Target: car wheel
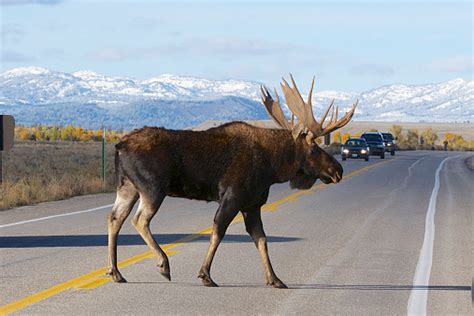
(392, 153)
(382, 156)
(366, 158)
(343, 158)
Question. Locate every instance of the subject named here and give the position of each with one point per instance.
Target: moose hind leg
(254, 226)
(126, 197)
(224, 216)
(146, 210)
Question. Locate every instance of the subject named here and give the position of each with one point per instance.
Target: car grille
(354, 151)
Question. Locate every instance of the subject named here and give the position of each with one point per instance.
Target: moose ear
(297, 130)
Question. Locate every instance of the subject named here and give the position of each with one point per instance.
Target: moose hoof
(166, 273)
(117, 277)
(278, 284)
(165, 270)
(120, 279)
(207, 281)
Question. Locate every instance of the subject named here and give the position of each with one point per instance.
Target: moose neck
(286, 156)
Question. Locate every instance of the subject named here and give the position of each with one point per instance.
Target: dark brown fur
(234, 164)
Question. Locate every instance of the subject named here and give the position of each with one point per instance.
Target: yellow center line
(97, 278)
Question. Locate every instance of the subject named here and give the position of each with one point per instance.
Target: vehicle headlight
(363, 151)
(346, 151)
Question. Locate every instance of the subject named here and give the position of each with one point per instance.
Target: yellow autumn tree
(336, 137)
(412, 138)
(429, 138)
(345, 137)
(456, 142)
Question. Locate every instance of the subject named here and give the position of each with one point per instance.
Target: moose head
(315, 162)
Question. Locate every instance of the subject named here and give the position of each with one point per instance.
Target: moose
(234, 164)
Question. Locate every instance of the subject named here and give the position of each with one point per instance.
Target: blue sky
(349, 46)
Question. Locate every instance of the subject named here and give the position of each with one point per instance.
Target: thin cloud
(12, 33)
(230, 47)
(453, 64)
(53, 54)
(234, 46)
(107, 54)
(214, 47)
(144, 23)
(11, 56)
(23, 2)
(372, 69)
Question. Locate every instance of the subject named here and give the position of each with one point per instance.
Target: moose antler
(303, 111)
(273, 108)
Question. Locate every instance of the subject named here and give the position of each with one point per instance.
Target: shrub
(429, 138)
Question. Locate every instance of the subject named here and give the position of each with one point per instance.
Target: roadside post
(7, 131)
(103, 156)
(327, 139)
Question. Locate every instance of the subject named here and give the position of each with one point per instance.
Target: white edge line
(55, 216)
(419, 297)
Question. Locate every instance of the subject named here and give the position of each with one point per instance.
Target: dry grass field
(45, 171)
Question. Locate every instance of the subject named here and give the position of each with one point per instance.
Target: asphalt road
(394, 237)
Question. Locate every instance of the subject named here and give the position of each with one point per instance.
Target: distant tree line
(68, 133)
(429, 139)
(412, 139)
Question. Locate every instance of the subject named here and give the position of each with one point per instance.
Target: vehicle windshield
(387, 136)
(372, 137)
(355, 142)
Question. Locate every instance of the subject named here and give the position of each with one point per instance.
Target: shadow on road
(123, 240)
(346, 287)
(379, 287)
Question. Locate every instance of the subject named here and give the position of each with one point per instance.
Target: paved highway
(394, 237)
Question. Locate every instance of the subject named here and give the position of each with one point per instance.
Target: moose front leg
(254, 226)
(224, 216)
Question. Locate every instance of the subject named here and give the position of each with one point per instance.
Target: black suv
(376, 143)
(355, 148)
(389, 143)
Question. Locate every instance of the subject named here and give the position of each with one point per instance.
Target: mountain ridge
(59, 98)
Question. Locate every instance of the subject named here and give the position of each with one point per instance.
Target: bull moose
(234, 164)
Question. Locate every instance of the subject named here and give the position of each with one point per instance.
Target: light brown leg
(146, 210)
(224, 216)
(126, 197)
(254, 226)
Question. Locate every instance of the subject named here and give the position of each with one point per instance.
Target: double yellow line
(96, 278)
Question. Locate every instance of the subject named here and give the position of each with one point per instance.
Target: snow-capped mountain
(38, 95)
(35, 85)
(447, 101)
